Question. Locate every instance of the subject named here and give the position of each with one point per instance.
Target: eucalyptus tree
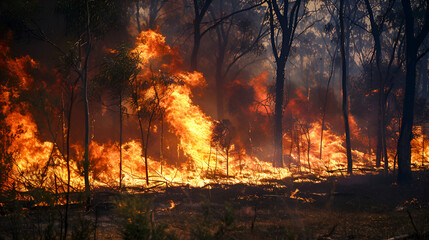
(415, 34)
(344, 75)
(200, 9)
(117, 72)
(283, 21)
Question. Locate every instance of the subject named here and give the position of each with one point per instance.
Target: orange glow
(41, 163)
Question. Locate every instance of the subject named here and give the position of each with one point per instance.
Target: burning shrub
(6, 158)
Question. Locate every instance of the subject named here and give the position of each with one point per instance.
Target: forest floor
(358, 207)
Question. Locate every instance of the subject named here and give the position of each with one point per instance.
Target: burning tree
(117, 74)
(221, 137)
(148, 95)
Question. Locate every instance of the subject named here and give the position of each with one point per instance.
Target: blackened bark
(138, 16)
(423, 77)
(147, 146)
(199, 12)
(69, 114)
(405, 137)
(84, 76)
(406, 133)
(142, 139)
(220, 81)
(344, 89)
(278, 113)
(381, 106)
(288, 20)
(86, 155)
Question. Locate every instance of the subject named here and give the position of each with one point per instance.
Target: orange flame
(40, 162)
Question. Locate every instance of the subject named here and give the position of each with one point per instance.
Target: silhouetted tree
(283, 22)
(413, 41)
(344, 88)
(200, 10)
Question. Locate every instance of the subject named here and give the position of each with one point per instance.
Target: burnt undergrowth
(356, 207)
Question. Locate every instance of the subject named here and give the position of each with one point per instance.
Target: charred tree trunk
(146, 146)
(141, 134)
(405, 137)
(120, 141)
(227, 162)
(84, 76)
(278, 114)
(344, 90)
(138, 16)
(288, 20)
(381, 106)
(412, 45)
(161, 142)
(298, 150)
(386, 158)
(199, 12)
(69, 114)
(423, 77)
(87, 140)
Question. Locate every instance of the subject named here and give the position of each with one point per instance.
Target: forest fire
(188, 122)
(279, 119)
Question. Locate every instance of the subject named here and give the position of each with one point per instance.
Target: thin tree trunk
(344, 88)
(423, 147)
(386, 158)
(120, 141)
(278, 115)
(86, 104)
(69, 114)
(423, 77)
(87, 140)
(227, 162)
(214, 174)
(381, 108)
(291, 147)
(325, 103)
(298, 144)
(161, 144)
(208, 162)
(308, 149)
(141, 131)
(138, 16)
(147, 145)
